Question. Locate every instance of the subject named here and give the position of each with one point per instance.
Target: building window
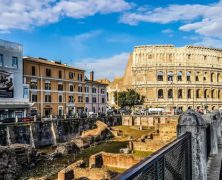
(103, 100)
(188, 76)
(1, 60)
(71, 88)
(87, 89)
(102, 91)
(79, 77)
(79, 88)
(34, 98)
(189, 94)
(198, 93)
(94, 99)
(160, 94)
(60, 98)
(33, 85)
(179, 76)
(87, 99)
(80, 99)
(71, 75)
(47, 98)
(33, 70)
(93, 90)
(48, 72)
(170, 93)
(15, 62)
(218, 94)
(71, 99)
(47, 86)
(60, 87)
(170, 76)
(160, 76)
(60, 74)
(180, 94)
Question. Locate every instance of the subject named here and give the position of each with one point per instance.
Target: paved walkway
(214, 164)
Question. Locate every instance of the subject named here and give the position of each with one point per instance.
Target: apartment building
(95, 95)
(55, 88)
(13, 92)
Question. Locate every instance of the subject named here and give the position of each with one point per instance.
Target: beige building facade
(55, 88)
(174, 77)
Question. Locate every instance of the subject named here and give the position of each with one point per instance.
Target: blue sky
(99, 34)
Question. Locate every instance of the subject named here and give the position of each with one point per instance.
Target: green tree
(128, 98)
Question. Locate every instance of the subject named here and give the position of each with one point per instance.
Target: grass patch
(142, 154)
(133, 131)
(118, 170)
(110, 147)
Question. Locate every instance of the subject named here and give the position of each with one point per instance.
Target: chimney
(92, 76)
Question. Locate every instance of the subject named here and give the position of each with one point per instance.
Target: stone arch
(160, 76)
(170, 93)
(206, 93)
(179, 76)
(180, 94)
(218, 77)
(160, 94)
(188, 74)
(198, 93)
(189, 93)
(170, 76)
(213, 93)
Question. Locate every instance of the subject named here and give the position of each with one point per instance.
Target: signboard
(6, 84)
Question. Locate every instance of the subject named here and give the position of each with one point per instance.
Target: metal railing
(172, 162)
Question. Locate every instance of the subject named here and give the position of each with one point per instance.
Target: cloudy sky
(99, 34)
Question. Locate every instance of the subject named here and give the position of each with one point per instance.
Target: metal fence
(208, 140)
(172, 162)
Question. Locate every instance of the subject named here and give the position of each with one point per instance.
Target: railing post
(214, 122)
(193, 122)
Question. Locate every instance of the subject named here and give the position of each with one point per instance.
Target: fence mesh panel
(172, 162)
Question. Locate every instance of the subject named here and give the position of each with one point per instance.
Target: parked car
(26, 119)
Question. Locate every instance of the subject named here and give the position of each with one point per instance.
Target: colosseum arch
(170, 93)
(213, 94)
(198, 93)
(197, 77)
(219, 94)
(188, 75)
(159, 76)
(170, 76)
(189, 93)
(218, 77)
(180, 94)
(212, 77)
(179, 76)
(160, 94)
(206, 93)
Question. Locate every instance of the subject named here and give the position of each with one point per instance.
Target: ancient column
(194, 123)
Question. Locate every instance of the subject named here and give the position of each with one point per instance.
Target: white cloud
(25, 14)
(205, 20)
(210, 42)
(105, 67)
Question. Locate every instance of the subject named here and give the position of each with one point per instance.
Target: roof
(96, 82)
(49, 62)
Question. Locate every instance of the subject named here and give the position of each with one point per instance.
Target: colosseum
(176, 77)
